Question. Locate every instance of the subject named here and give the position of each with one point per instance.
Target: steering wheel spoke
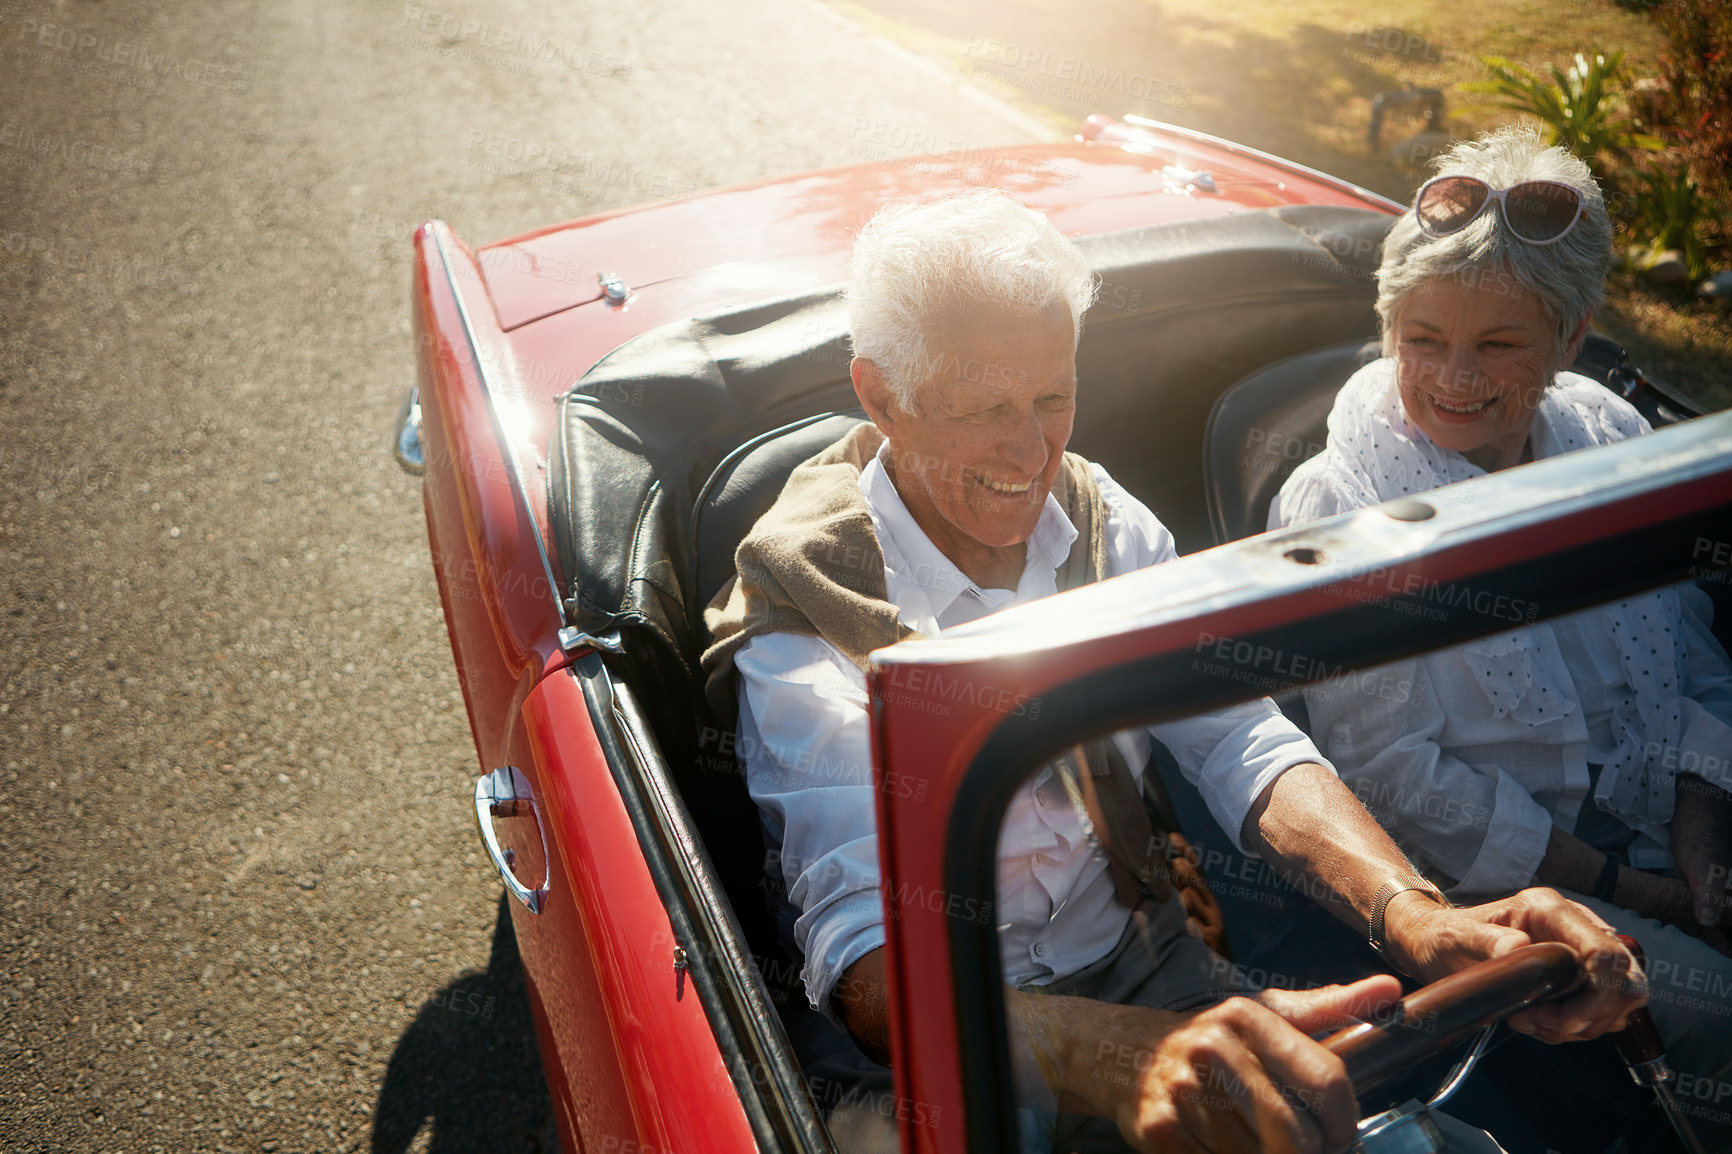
(1430, 1020)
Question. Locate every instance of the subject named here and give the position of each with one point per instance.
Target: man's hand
(1430, 941)
(1307, 820)
(1242, 1076)
(1702, 848)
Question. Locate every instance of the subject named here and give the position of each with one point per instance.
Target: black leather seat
(740, 490)
(1266, 426)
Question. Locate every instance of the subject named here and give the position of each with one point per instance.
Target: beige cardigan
(812, 564)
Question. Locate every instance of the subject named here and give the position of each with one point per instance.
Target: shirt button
(1039, 950)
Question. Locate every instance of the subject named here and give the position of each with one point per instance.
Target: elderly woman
(956, 500)
(1555, 753)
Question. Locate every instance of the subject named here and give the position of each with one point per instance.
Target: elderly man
(957, 500)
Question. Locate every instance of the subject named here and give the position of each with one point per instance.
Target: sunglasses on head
(1536, 211)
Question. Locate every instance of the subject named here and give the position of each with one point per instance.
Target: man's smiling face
(976, 455)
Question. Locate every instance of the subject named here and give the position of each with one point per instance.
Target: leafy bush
(1673, 212)
(1677, 201)
(1694, 101)
(1579, 108)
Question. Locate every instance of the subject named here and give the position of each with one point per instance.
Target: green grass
(1294, 78)
(1297, 78)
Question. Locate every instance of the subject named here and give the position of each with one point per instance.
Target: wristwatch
(1401, 883)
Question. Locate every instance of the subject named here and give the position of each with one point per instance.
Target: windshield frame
(979, 708)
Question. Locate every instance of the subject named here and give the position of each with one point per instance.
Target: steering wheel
(1437, 1016)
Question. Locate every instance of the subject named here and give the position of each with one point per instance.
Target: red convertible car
(604, 407)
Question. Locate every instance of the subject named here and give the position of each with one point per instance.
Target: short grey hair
(1568, 276)
(913, 263)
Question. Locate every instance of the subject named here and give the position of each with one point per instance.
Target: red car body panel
(617, 1032)
(625, 1054)
(637, 1058)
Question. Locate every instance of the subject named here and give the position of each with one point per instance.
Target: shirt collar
(923, 582)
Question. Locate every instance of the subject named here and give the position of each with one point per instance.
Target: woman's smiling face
(1473, 364)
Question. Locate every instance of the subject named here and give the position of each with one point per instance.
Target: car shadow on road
(468, 1067)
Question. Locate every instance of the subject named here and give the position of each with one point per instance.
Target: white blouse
(1469, 756)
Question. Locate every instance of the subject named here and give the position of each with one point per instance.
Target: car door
(620, 1027)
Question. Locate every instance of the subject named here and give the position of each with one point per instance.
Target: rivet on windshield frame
(1408, 509)
(1305, 555)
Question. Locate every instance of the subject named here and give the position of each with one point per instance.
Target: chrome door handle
(505, 793)
(406, 444)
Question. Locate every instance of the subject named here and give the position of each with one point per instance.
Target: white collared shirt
(804, 739)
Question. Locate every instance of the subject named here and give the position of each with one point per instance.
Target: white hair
(914, 263)
(1568, 276)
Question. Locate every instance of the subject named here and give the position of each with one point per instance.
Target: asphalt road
(243, 903)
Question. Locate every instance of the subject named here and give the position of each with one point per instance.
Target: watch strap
(1397, 885)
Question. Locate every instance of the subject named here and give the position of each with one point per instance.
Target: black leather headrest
(741, 490)
(1266, 426)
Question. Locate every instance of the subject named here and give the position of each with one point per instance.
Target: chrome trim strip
(509, 451)
(1266, 157)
